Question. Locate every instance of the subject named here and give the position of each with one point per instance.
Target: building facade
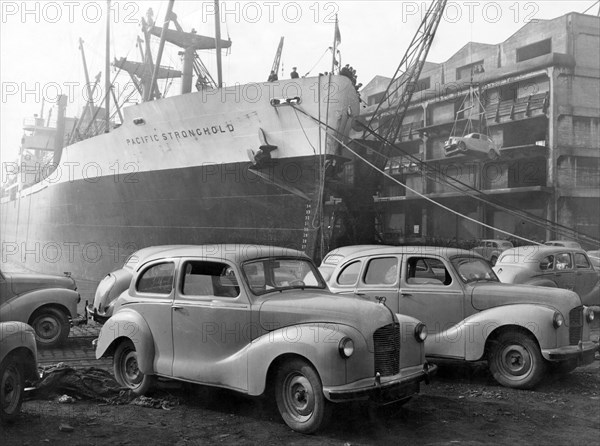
(537, 96)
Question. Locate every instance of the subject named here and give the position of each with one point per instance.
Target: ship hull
(178, 174)
(90, 228)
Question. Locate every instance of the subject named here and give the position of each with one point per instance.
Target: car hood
(22, 282)
(292, 308)
(486, 295)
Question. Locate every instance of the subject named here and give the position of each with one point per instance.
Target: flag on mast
(337, 39)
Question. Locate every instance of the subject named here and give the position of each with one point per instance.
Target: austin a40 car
(522, 331)
(47, 303)
(252, 318)
(18, 364)
(551, 266)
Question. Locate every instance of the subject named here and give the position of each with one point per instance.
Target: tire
(493, 260)
(299, 396)
(515, 360)
(462, 146)
(51, 327)
(12, 383)
(126, 371)
(493, 155)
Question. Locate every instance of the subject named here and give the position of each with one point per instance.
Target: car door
(379, 280)
(586, 277)
(154, 291)
(564, 271)
(437, 301)
(211, 325)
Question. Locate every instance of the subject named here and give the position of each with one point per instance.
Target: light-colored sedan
(252, 318)
(551, 266)
(491, 249)
(476, 144)
(18, 364)
(46, 302)
(522, 331)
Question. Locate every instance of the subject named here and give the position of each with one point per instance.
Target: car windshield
(277, 274)
(471, 269)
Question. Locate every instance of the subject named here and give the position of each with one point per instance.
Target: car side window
(349, 274)
(202, 278)
(157, 279)
(475, 136)
(382, 271)
(581, 261)
(547, 263)
(563, 261)
(435, 272)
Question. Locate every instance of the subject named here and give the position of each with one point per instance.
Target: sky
(40, 56)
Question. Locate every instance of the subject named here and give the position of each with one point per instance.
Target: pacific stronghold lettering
(181, 134)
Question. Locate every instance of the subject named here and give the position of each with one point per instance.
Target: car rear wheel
(51, 327)
(126, 370)
(516, 361)
(11, 388)
(462, 146)
(299, 396)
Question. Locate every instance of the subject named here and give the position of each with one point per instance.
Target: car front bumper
(96, 316)
(584, 353)
(382, 389)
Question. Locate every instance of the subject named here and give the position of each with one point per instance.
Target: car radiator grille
(387, 349)
(575, 325)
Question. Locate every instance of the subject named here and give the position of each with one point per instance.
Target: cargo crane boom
(277, 60)
(391, 110)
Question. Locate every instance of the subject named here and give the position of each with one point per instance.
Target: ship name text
(181, 134)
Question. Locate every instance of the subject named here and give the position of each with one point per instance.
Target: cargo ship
(241, 164)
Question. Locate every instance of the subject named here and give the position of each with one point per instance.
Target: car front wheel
(516, 361)
(299, 396)
(51, 327)
(126, 370)
(11, 388)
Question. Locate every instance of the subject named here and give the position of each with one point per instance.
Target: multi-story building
(537, 95)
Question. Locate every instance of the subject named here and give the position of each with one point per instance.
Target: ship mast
(107, 85)
(218, 44)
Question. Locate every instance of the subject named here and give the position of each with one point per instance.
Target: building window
(534, 50)
(422, 84)
(375, 98)
(465, 71)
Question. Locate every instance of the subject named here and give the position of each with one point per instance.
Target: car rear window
(157, 279)
(349, 274)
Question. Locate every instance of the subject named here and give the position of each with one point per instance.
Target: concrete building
(537, 95)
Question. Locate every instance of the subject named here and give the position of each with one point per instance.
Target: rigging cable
(581, 236)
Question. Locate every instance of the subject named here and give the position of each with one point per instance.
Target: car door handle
(177, 307)
(405, 294)
(359, 294)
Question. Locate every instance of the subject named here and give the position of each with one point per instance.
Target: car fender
(19, 338)
(21, 307)
(593, 297)
(128, 324)
(471, 335)
(317, 343)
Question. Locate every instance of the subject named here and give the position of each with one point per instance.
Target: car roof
(497, 240)
(366, 250)
(233, 252)
(535, 252)
(565, 243)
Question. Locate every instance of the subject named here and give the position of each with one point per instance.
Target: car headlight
(558, 319)
(589, 314)
(421, 332)
(346, 347)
